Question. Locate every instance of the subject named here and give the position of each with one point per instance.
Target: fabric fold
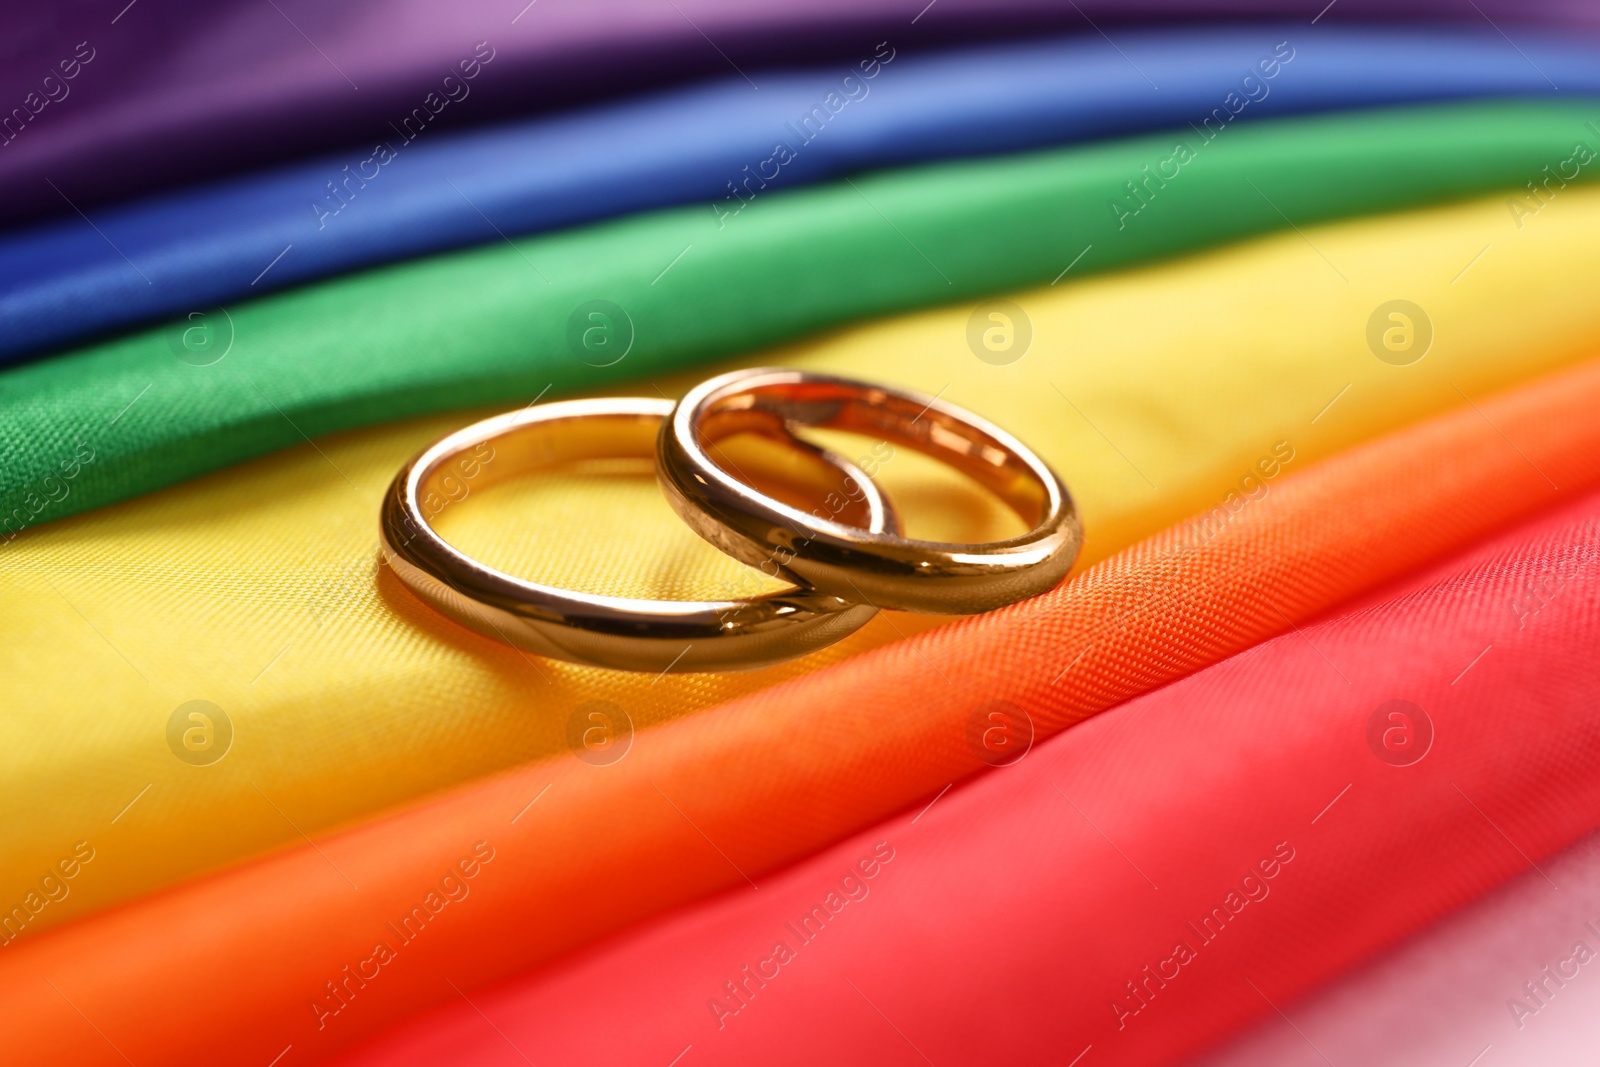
(1146, 883)
(257, 590)
(414, 191)
(715, 799)
(1456, 988)
(103, 105)
(506, 322)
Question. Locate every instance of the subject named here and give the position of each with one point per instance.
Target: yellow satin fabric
(1154, 393)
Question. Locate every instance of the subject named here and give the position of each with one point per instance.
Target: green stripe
(489, 325)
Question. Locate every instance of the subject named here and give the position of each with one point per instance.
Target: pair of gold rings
(845, 556)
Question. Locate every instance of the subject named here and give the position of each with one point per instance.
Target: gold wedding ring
(845, 555)
(618, 632)
(877, 567)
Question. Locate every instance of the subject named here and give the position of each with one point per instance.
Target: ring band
(605, 631)
(878, 567)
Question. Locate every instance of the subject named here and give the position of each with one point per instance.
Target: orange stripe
(225, 970)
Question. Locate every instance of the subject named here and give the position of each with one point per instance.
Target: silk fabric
(1150, 881)
(416, 190)
(510, 322)
(1457, 988)
(721, 798)
(257, 590)
(181, 92)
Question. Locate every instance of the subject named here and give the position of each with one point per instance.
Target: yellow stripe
(1155, 393)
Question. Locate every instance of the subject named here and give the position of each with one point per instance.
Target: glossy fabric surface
(716, 799)
(257, 589)
(1223, 845)
(415, 190)
(1457, 987)
(179, 92)
(503, 324)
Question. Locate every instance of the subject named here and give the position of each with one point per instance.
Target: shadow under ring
(660, 636)
(879, 567)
